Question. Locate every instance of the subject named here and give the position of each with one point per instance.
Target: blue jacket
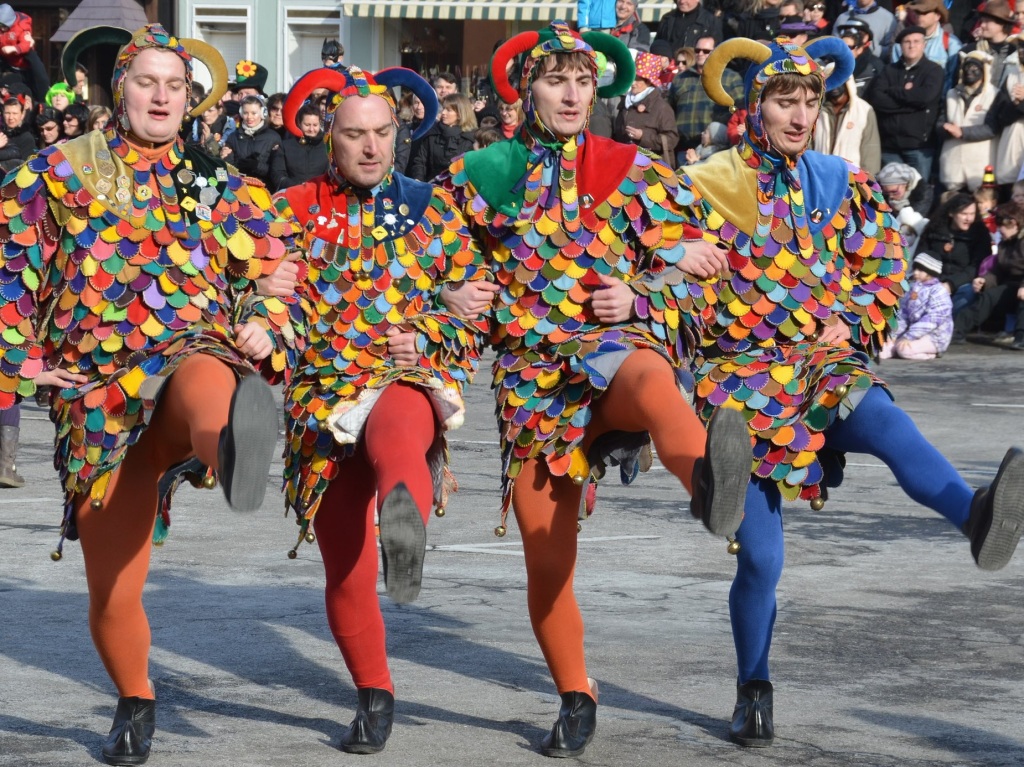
(596, 14)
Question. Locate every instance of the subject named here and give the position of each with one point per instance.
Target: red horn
(499, 64)
(331, 79)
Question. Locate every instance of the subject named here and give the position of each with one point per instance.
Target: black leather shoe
(403, 545)
(752, 723)
(131, 735)
(574, 728)
(720, 478)
(369, 731)
(997, 514)
(247, 444)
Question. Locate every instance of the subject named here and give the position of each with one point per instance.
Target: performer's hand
(283, 280)
(8, 50)
(702, 259)
(60, 378)
(252, 341)
(613, 301)
(471, 299)
(835, 333)
(402, 347)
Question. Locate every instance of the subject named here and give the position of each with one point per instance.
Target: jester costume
(129, 266)
(365, 433)
(562, 218)
(812, 243)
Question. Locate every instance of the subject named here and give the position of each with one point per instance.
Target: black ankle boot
(574, 728)
(752, 723)
(246, 444)
(371, 728)
(720, 478)
(997, 514)
(131, 735)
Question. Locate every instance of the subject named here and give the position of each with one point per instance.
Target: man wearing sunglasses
(694, 110)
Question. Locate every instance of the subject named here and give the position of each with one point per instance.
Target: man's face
(927, 19)
(701, 51)
(788, 119)
(49, 132)
(13, 115)
(624, 9)
(991, 29)
(79, 81)
(685, 6)
(562, 98)
(363, 136)
(155, 95)
(912, 47)
(865, 3)
(443, 88)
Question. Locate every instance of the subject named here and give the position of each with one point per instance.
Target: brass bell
(56, 555)
(818, 503)
(841, 391)
(210, 482)
(500, 531)
(579, 527)
(439, 511)
(158, 543)
(579, 479)
(733, 547)
(292, 554)
(310, 538)
(96, 504)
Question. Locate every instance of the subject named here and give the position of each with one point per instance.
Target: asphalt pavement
(891, 647)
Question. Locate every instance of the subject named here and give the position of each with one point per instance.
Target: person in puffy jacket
(452, 136)
(297, 160)
(249, 148)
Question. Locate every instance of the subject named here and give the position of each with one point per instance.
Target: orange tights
(116, 539)
(643, 396)
(398, 434)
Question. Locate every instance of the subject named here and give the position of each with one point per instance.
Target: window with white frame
(305, 30)
(228, 29)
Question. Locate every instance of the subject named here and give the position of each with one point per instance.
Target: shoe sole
(729, 460)
(1007, 513)
(403, 544)
(125, 761)
(251, 436)
(752, 742)
(361, 749)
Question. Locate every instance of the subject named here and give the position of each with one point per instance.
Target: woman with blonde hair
(453, 135)
(510, 117)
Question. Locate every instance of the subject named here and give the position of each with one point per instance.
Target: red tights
(116, 539)
(397, 436)
(643, 396)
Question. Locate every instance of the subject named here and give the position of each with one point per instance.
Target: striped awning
(486, 10)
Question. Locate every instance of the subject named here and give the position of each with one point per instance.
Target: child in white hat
(926, 315)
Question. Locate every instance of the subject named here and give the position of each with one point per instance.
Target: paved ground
(891, 647)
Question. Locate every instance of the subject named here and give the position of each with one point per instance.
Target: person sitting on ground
(925, 319)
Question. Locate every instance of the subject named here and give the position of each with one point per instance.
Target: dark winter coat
(961, 252)
(907, 102)
(655, 117)
(1009, 266)
(437, 149)
(20, 144)
(683, 30)
(251, 154)
(296, 160)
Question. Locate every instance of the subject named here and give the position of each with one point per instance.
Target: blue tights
(921, 470)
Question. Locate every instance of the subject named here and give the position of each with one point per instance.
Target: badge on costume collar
(122, 196)
(123, 182)
(403, 209)
(103, 185)
(387, 204)
(203, 212)
(143, 193)
(87, 169)
(106, 168)
(816, 216)
(208, 196)
(103, 154)
(379, 233)
(221, 174)
(188, 203)
(186, 177)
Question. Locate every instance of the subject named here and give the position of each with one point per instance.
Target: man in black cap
(907, 95)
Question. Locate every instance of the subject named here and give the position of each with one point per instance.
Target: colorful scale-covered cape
(118, 268)
(810, 244)
(593, 208)
(376, 260)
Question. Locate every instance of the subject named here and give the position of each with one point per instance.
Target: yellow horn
(736, 48)
(211, 57)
